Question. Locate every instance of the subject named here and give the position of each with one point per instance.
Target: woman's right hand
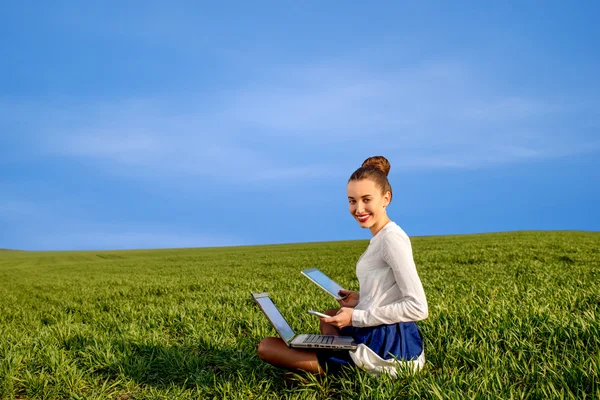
(349, 298)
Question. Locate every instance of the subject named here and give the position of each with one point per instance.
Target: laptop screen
(281, 325)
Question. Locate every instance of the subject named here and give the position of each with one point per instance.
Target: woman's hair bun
(379, 162)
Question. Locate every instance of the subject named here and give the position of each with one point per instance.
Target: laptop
(302, 341)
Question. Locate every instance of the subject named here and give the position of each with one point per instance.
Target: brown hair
(377, 169)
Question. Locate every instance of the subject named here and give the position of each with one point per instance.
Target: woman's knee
(266, 347)
(332, 311)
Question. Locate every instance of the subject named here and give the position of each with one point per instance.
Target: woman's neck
(379, 225)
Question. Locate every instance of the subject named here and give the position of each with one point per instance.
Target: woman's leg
(327, 329)
(275, 351)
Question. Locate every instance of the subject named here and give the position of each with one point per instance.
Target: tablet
(323, 281)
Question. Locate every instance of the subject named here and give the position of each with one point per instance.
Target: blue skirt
(402, 341)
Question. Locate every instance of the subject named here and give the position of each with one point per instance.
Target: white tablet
(323, 281)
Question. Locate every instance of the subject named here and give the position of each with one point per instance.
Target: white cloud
(17, 208)
(117, 238)
(304, 121)
(508, 109)
(69, 224)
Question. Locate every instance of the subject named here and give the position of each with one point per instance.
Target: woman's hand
(349, 299)
(341, 319)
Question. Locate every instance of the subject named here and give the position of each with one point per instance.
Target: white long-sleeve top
(390, 288)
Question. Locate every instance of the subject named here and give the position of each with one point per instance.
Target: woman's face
(367, 203)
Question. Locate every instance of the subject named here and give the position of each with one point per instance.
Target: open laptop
(303, 341)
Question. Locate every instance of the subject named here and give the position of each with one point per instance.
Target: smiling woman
(369, 193)
(381, 316)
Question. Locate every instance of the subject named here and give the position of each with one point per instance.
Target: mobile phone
(318, 314)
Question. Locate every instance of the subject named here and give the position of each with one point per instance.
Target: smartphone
(318, 314)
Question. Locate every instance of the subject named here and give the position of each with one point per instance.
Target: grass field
(512, 315)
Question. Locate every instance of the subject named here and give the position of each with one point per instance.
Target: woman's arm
(412, 306)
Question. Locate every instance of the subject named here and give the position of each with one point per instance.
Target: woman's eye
(367, 200)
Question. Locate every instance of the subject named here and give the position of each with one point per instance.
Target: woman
(381, 317)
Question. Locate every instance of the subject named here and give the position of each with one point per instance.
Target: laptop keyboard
(319, 339)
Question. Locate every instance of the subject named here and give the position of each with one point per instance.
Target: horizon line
(296, 243)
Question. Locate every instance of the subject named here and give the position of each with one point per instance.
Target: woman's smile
(363, 217)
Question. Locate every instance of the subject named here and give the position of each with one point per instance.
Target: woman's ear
(386, 198)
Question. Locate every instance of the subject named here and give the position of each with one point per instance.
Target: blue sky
(188, 124)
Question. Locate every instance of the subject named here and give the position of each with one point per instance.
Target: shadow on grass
(187, 366)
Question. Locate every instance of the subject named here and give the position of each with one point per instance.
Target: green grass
(512, 315)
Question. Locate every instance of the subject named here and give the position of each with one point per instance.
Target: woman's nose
(360, 208)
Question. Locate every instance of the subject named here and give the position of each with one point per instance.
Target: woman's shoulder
(393, 232)
(394, 241)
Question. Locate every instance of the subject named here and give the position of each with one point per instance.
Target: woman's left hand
(342, 319)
